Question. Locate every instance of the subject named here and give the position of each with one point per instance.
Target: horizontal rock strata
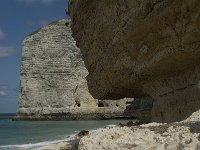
(142, 48)
(53, 84)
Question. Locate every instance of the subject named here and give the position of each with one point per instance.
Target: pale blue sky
(19, 18)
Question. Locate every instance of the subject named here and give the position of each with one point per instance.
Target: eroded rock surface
(181, 135)
(184, 135)
(142, 48)
(52, 74)
(53, 84)
(124, 138)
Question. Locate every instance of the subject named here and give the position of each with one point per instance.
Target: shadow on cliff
(140, 109)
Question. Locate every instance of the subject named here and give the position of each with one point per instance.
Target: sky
(19, 18)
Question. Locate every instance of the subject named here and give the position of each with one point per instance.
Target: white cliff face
(53, 84)
(53, 73)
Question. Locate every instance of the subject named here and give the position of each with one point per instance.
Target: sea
(34, 134)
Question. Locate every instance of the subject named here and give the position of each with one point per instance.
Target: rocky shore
(184, 135)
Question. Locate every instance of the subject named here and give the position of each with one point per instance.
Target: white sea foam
(111, 126)
(35, 146)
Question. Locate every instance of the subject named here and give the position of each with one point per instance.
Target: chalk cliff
(53, 84)
(142, 48)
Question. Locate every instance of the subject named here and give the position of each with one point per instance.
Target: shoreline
(66, 133)
(70, 141)
(118, 137)
(66, 117)
(34, 146)
(177, 135)
(184, 135)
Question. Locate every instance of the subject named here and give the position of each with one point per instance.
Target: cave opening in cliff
(78, 104)
(100, 104)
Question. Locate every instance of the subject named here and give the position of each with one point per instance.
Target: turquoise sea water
(30, 134)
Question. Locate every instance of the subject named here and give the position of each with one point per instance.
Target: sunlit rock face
(142, 48)
(52, 73)
(52, 81)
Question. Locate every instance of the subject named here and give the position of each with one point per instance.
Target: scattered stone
(140, 138)
(83, 133)
(179, 135)
(131, 123)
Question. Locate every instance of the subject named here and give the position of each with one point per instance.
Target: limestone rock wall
(175, 98)
(53, 84)
(141, 48)
(52, 74)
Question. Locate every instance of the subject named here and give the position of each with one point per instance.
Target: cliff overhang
(141, 48)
